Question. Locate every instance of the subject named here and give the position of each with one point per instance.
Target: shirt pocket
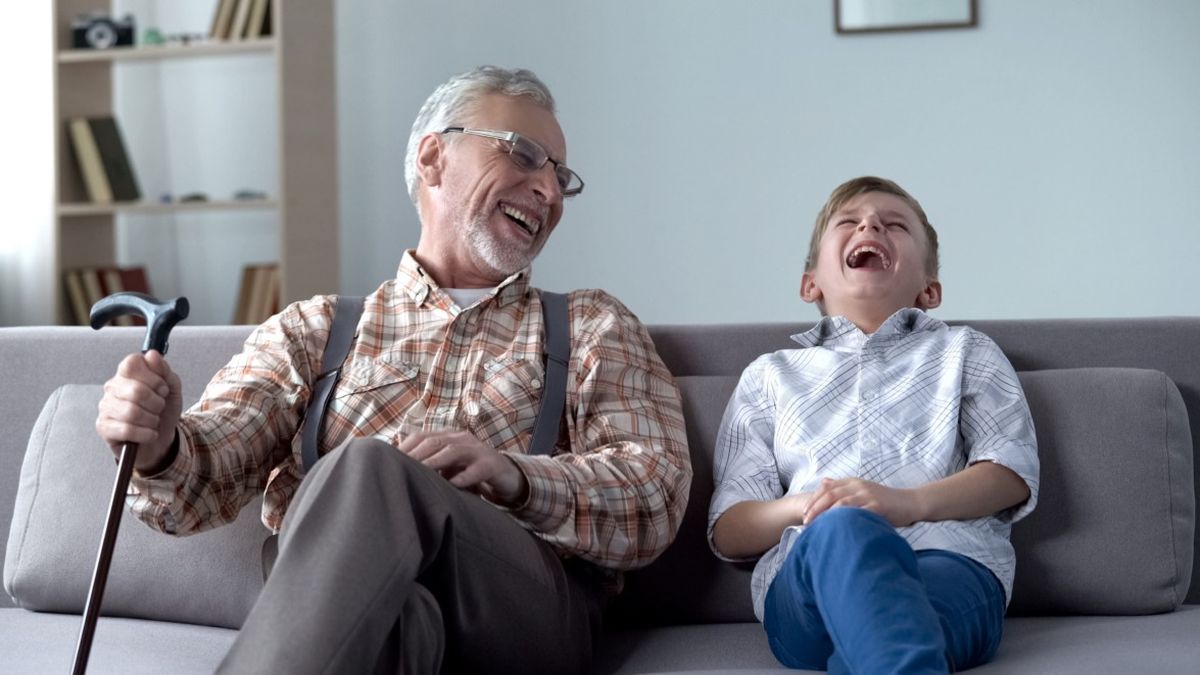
(502, 409)
(372, 396)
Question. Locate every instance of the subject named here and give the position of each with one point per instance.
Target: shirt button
(472, 408)
(535, 383)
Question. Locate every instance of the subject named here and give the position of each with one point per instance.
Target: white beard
(500, 257)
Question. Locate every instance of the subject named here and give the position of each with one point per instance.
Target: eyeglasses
(528, 155)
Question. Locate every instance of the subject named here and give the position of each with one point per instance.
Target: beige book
(241, 19)
(222, 20)
(77, 297)
(91, 286)
(255, 28)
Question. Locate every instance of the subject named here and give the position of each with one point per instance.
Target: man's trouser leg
(367, 526)
(853, 596)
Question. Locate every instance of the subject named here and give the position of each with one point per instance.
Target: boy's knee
(849, 517)
(845, 525)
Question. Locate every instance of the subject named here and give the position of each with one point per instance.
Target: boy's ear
(931, 295)
(809, 291)
(430, 159)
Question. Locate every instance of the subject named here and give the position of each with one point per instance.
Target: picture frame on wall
(875, 16)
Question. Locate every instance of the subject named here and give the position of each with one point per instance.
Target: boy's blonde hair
(862, 185)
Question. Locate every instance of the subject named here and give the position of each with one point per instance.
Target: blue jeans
(852, 596)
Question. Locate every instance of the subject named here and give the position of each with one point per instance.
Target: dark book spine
(115, 159)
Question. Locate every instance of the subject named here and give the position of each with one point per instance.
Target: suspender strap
(557, 321)
(341, 336)
(348, 310)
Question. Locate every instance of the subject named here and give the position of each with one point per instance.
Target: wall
(1056, 147)
(27, 174)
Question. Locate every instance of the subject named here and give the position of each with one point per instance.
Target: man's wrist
(166, 461)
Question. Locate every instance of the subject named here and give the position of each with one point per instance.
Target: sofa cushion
(1083, 645)
(1113, 530)
(211, 578)
(45, 643)
(1112, 533)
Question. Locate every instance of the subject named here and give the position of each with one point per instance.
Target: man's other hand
(469, 463)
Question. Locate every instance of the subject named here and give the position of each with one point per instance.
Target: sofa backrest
(39, 359)
(1076, 493)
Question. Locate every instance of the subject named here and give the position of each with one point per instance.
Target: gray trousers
(385, 567)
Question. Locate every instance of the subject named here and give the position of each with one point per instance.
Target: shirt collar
(415, 282)
(838, 330)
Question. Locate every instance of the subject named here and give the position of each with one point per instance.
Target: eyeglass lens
(531, 157)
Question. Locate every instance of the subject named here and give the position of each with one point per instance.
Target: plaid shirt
(614, 491)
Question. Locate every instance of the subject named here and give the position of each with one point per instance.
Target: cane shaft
(91, 612)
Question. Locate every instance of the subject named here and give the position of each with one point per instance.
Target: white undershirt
(465, 297)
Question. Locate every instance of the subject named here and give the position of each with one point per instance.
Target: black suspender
(346, 313)
(348, 310)
(557, 347)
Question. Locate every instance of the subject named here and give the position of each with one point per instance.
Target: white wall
(1056, 147)
(27, 172)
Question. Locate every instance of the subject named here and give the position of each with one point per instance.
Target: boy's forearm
(979, 490)
(750, 528)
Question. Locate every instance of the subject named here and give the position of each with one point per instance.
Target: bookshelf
(304, 201)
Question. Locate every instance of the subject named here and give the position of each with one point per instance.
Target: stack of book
(241, 20)
(258, 297)
(102, 159)
(85, 286)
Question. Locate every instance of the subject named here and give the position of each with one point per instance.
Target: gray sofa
(1104, 579)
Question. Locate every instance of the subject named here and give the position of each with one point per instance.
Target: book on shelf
(265, 30)
(115, 159)
(222, 20)
(257, 16)
(87, 157)
(241, 19)
(76, 297)
(258, 295)
(85, 286)
(103, 160)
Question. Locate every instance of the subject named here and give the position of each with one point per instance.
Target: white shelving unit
(305, 199)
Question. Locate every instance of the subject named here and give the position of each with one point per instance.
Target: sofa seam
(1170, 489)
(56, 398)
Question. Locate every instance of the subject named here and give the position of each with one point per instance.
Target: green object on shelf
(152, 36)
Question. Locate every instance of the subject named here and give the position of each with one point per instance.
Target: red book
(134, 280)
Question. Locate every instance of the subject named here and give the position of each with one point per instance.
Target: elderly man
(427, 537)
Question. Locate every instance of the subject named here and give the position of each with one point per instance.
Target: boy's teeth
(852, 259)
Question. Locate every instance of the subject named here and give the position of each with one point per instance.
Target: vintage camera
(99, 31)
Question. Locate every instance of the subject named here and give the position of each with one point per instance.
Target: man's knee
(368, 458)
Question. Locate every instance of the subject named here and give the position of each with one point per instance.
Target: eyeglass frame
(512, 137)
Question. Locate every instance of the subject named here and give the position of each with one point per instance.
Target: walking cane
(160, 319)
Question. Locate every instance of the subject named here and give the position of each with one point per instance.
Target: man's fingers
(130, 433)
(471, 475)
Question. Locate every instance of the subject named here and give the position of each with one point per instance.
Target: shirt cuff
(549, 502)
(162, 487)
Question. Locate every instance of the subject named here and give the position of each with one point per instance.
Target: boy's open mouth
(868, 257)
(525, 221)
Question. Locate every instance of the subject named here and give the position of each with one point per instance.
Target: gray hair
(450, 103)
